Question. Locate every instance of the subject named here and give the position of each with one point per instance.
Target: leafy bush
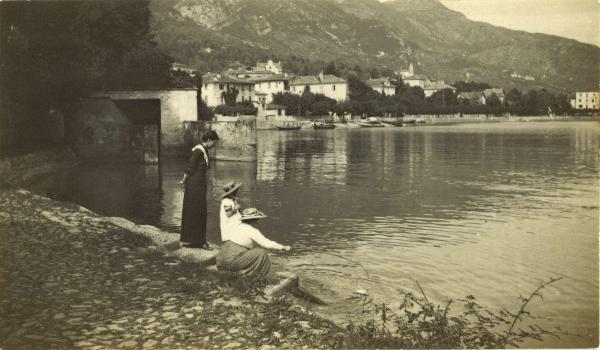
(240, 108)
(421, 324)
(305, 104)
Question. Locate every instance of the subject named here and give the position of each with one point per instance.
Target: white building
(268, 66)
(181, 67)
(382, 85)
(431, 87)
(587, 100)
(250, 86)
(328, 85)
(487, 93)
(406, 73)
(416, 80)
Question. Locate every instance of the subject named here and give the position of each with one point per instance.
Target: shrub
(421, 324)
(241, 108)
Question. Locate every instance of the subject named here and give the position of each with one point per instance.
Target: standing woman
(193, 216)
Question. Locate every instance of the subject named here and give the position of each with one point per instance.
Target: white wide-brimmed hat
(252, 213)
(230, 188)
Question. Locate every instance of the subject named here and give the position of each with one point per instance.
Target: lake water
(483, 209)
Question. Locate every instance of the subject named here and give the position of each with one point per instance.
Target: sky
(575, 19)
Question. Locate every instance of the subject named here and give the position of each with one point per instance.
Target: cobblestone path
(70, 279)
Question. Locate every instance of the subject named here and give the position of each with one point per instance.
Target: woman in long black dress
(193, 216)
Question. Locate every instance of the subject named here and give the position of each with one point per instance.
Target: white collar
(201, 148)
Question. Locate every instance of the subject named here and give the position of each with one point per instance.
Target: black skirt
(193, 214)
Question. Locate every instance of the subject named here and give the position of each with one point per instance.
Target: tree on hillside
(560, 104)
(375, 73)
(203, 111)
(230, 96)
(305, 104)
(358, 71)
(387, 72)
(443, 98)
(359, 90)
(331, 68)
(180, 79)
(513, 97)
(493, 101)
(398, 83)
(240, 108)
(409, 98)
(468, 86)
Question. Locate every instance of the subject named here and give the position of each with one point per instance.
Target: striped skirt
(252, 263)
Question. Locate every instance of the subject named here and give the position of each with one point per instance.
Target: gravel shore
(71, 279)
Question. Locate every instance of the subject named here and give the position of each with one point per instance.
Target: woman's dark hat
(230, 188)
(252, 213)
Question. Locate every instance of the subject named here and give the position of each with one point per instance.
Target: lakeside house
(329, 85)
(405, 73)
(516, 75)
(586, 100)
(488, 93)
(416, 80)
(268, 66)
(261, 82)
(382, 85)
(256, 86)
(183, 68)
(431, 87)
(481, 97)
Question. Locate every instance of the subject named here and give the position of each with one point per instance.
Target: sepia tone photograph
(299, 174)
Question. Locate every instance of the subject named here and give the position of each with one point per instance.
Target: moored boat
(323, 125)
(288, 125)
(371, 123)
(396, 123)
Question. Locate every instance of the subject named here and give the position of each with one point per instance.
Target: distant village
(260, 83)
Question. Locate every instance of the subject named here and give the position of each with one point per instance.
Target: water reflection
(316, 158)
(484, 209)
(115, 190)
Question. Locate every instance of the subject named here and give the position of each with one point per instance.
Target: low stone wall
(23, 169)
(457, 118)
(269, 122)
(237, 138)
(475, 118)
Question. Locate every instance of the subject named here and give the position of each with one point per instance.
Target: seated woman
(243, 251)
(229, 212)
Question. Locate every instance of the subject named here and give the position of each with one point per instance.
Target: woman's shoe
(205, 246)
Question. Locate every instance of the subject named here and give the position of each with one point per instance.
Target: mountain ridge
(440, 42)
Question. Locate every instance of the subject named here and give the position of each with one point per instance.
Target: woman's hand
(182, 182)
(286, 248)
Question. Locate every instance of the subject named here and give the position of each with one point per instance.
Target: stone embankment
(72, 279)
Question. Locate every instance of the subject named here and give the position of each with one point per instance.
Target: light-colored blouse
(235, 230)
(229, 217)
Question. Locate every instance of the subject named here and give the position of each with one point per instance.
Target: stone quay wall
(237, 138)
